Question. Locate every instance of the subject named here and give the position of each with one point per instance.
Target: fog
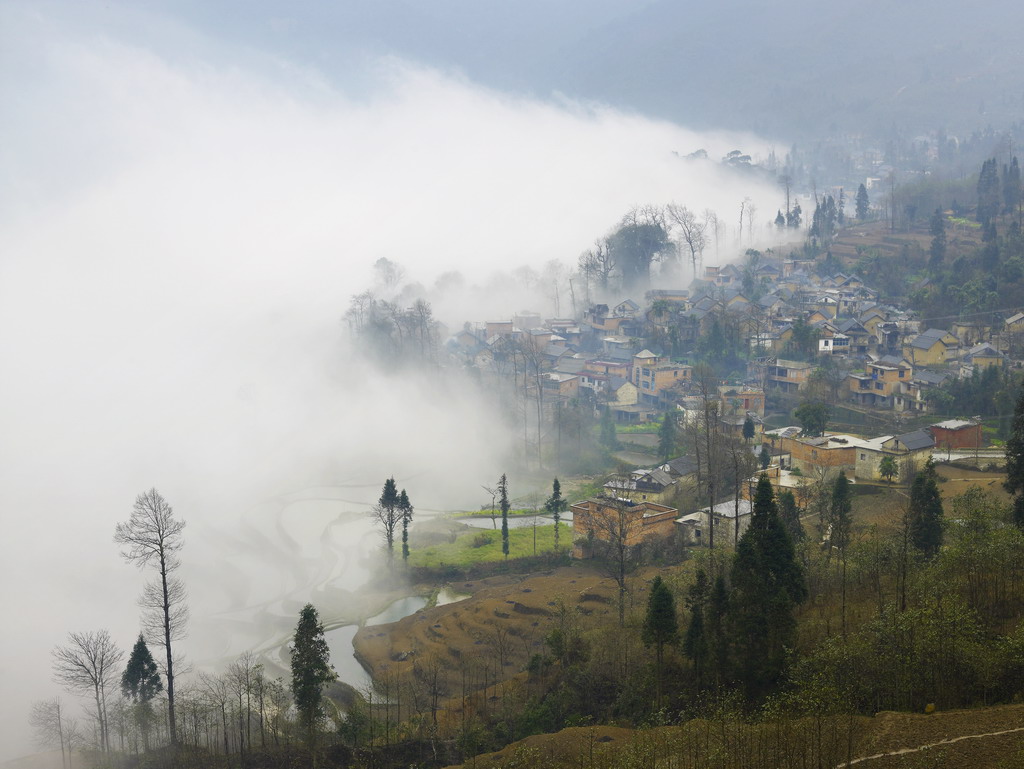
(182, 224)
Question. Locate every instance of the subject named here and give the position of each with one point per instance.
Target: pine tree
(140, 683)
(767, 584)
(667, 436)
(937, 228)
(780, 220)
(924, 513)
(790, 515)
(1012, 187)
(862, 203)
(554, 506)
(387, 514)
(311, 670)
(608, 437)
(405, 510)
(503, 502)
(989, 198)
(1015, 449)
(748, 428)
(765, 457)
(660, 624)
(840, 523)
(695, 642)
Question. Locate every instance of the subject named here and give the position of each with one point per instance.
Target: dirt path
(919, 748)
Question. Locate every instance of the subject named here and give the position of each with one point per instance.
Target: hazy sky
(183, 219)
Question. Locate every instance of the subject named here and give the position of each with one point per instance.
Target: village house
(740, 400)
(656, 485)
(880, 384)
(560, 385)
(693, 526)
(910, 452)
(957, 434)
(981, 357)
(613, 521)
(789, 376)
(915, 392)
(933, 347)
(653, 375)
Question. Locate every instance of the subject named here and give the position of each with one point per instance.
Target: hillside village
(776, 334)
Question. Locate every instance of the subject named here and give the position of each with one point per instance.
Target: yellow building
(933, 347)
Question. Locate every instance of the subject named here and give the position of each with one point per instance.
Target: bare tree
(693, 229)
(87, 664)
(596, 265)
(706, 382)
(711, 217)
(616, 528)
(49, 722)
(152, 537)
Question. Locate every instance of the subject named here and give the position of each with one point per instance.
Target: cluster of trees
(393, 333)
(393, 513)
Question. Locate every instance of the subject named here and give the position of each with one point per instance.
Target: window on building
(863, 457)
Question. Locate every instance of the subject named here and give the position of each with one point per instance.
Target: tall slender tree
(405, 509)
(767, 584)
(661, 626)
(1015, 461)
(152, 537)
(554, 506)
(140, 683)
(695, 642)
(87, 664)
(924, 513)
(862, 203)
(667, 435)
(840, 524)
(504, 504)
(388, 514)
(311, 671)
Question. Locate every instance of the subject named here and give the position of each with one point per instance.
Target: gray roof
(919, 439)
(931, 377)
(926, 339)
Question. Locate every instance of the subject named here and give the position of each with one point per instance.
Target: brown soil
(885, 733)
(490, 635)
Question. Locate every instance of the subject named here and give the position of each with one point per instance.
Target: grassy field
(482, 546)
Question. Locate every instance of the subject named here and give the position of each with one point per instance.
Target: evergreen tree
(793, 217)
(140, 683)
(667, 436)
(405, 510)
(767, 584)
(790, 515)
(608, 437)
(813, 417)
(660, 624)
(716, 617)
(989, 198)
(841, 208)
(748, 428)
(554, 506)
(1011, 187)
(937, 228)
(695, 642)
(840, 524)
(765, 457)
(387, 513)
(780, 220)
(311, 670)
(862, 203)
(888, 468)
(924, 513)
(504, 505)
(1015, 450)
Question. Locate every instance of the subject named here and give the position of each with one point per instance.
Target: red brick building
(956, 434)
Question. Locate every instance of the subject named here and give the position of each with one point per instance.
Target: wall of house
(964, 438)
(810, 459)
(593, 518)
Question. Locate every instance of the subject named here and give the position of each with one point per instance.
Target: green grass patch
(645, 427)
(484, 546)
(497, 513)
